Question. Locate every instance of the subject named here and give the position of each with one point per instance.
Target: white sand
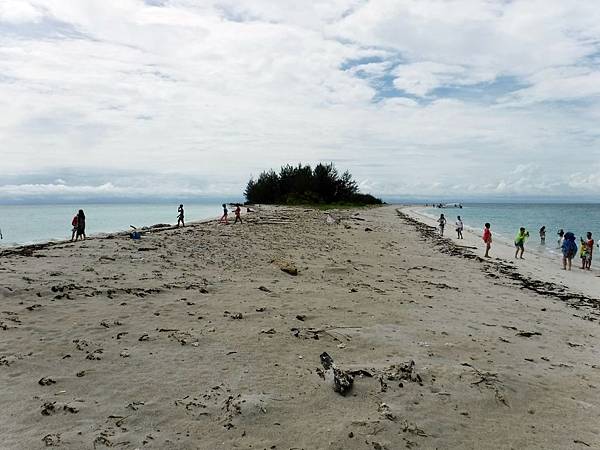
(194, 338)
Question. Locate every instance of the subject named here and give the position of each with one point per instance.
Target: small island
(303, 185)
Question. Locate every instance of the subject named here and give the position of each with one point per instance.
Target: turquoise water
(506, 219)
(25, 224)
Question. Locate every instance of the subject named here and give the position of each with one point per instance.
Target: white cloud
(222, 89)
(18, 11)
(558, 84)
(423, 77)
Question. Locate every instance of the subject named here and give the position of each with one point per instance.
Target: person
(180, 216)
(237, 211)
(590, 250)
(223, 218)
(569, 249)
(583, 253)
(74, 225)
(487, 238)
(459, 227)
(561, 234)
(80, 225)
(520, 242)
(543, 235)
(442, 223)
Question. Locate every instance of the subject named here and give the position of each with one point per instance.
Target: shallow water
(25, 224)
(506, 218)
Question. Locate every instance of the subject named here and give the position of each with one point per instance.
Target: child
(223, 218)
(74, 225)
(487, 238)
(237, 214)
(180, 216)
(543, 235)
(583, 253)
(459, 227)
(560, 233)
(569, 249)
(590, 251)
(442, 223)
(520, 241)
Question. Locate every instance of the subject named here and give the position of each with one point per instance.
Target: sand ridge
(195, 338)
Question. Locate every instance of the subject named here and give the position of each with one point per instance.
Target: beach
(537, 263)
(210, 337)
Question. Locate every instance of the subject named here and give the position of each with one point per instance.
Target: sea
(32, 224)
(506, 219)
(28, 224)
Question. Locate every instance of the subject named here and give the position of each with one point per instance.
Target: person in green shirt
(520, 242)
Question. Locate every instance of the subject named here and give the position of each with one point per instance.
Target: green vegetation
(304, 185)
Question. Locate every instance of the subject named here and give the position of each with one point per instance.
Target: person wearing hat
(569, 249)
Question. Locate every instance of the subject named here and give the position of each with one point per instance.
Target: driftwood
(342, 380)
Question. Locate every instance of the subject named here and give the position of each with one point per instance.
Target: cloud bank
(427, 97)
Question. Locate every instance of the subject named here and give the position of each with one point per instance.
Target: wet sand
(197, 338)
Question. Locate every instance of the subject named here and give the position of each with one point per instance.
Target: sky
(168, 98)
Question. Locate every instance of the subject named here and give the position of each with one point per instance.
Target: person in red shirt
(590, 250)
(74, 230)
(487, 238)
(238, 211)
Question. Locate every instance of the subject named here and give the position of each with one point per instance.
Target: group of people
(459, 226)
(568, 246)
(566, 242)
(224, 218)
(78, 224)
(237, 211)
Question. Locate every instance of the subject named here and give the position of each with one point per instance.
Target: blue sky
(454, 98)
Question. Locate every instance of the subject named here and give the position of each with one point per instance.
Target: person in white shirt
(459, 227)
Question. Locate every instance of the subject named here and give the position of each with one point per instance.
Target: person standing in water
(180, 216)
(543, 235)
(237, 212)
(80, 225)
(74, 229)
(459, 227)
(487, 238)
(442, 223)
(569, 249)
(560, 234)
(223, 218)
(520, 241)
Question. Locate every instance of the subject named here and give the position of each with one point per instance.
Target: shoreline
(211, 337)
(46, 222)
(155, 228)
(533, 246)
(538, 265)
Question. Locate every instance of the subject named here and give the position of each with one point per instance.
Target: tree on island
(304, 185)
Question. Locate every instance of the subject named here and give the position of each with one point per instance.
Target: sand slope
(195, 338)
